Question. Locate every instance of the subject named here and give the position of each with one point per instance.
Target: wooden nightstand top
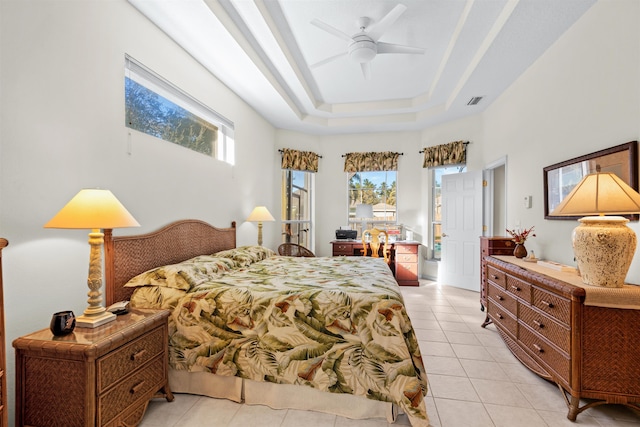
(93, 342)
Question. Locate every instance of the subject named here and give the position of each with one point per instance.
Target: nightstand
(93, 377)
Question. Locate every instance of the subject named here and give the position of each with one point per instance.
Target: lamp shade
(260, 214)
(364, 211)
(600, 194)
(93, 209)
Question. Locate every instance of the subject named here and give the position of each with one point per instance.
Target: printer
(346, 234)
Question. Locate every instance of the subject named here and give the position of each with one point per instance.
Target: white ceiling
(263, 51)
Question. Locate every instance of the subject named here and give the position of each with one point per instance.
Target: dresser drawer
(128, 358)
(544, 325)
(519, 288)
(557, 307)
(406, 258)
(496, 276)
(407, 249)
(505, 245)
(545, 352)
(502, 318)
(504, 298)
(343, 249)
(139, 385)
(407, 272)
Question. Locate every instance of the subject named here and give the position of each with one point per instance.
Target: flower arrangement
(520, 236)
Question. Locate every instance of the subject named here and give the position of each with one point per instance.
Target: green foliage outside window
(148, 112)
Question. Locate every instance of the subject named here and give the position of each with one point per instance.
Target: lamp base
(604, 247)
(93, 321)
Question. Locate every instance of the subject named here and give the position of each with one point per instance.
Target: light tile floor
(474, 381)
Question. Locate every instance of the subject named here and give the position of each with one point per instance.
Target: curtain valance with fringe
(371, 161)
(306, 161)
(453, 153)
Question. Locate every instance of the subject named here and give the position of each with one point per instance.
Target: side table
(93, 377)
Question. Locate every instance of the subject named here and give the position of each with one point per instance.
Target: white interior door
(461, 230)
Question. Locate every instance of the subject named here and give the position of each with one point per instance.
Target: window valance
(371, 161)
(453, 153)
(306, 161)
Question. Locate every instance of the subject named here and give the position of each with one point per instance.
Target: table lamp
(259, 215)
(364, 212)
(603, 245)
(93, 209)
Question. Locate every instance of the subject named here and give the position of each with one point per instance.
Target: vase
(520, 251)
(62, 323)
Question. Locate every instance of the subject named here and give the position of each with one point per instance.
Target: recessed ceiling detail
(300, 64)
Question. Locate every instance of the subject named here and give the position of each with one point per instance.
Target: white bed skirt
(280, 396)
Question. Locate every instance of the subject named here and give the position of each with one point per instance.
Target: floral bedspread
(335, 324)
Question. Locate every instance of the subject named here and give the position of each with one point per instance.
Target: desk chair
(293, 249)
(373, 236)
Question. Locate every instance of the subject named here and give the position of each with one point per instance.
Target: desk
(403, 258)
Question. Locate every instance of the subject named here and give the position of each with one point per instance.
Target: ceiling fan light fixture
(362, 49)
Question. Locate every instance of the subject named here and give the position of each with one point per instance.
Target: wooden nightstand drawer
(133, 388)
(128, 358)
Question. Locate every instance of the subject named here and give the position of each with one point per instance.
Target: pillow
(156, 297)
(246, 255)
(183, 275)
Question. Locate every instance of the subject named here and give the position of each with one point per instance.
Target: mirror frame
(626, 167)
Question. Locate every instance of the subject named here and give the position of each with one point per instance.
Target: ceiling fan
(364, 45)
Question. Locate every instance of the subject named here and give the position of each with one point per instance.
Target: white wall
(581, 96)
(62, 129)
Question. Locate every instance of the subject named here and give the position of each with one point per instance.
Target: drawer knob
(548, 304)
(515, 288)
(500, 316)
(138, 354)
(136, 387)
(494, 277)
(500, 298)
(538, 324)
(537, 347)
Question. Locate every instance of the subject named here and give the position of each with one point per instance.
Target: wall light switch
(527, 202)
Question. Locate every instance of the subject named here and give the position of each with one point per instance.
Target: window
(158, 108)
(296, 208)
(377, 189)
(436, 206)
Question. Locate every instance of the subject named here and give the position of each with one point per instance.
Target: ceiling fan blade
(329, 59)
(398, 48)
(377, 30)
(331, 30)
(366, 70)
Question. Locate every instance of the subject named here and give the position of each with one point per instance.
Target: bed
(325, 334)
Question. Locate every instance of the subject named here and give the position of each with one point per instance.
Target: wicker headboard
(128, 256)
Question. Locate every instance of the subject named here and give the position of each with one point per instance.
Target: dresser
(93, 377)
(492, 246)
(404, 258)
(567, 333)
(3, 358)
